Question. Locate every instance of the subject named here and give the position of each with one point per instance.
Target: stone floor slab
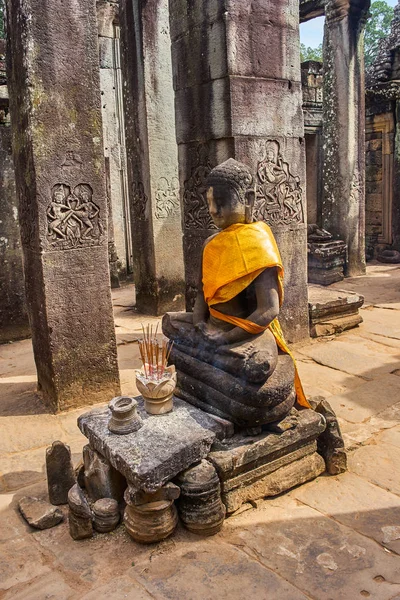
(367, 400)
(20, 561)
(358, 504)
(319, 380)
(121, 588)
(362, 358)
(209, 570)
(379, 464)
(48, 587)
(391, 436)
(323, 558)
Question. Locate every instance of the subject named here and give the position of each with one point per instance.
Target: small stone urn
(200, 506)
(124, 418)
(157, 393)
(151, 522)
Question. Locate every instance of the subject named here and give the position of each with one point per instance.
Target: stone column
(343, 200)
(53, 77)
(238, 94)
(119, 233)
(396, 184)
(152, 156)
(14, 323)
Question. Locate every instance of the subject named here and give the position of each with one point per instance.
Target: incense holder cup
(157, 393)
(124, 418)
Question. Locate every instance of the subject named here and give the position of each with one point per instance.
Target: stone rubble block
(80, 515)
(163, 447)
(100, 478)
(60, 472)
(38, 513)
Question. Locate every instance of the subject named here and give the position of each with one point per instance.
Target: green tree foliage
(307, 53)
(378, 26)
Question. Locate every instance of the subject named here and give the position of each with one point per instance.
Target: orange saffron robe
(231, 262)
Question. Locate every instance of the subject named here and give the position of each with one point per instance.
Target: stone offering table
(163, 447)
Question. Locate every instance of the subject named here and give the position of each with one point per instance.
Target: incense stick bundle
(154, 355)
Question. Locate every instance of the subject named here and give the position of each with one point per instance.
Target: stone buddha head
(230, 194)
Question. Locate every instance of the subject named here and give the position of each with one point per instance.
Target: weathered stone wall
(53, 76)
(14, 323)
(238, 94)
(152, 156)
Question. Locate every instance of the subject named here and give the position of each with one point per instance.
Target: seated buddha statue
(230, 354)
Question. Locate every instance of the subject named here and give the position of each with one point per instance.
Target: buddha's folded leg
(268, 394)
(254, 360)
(206, 398)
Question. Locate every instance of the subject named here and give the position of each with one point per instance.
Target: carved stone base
(200, 507)
(268, 464)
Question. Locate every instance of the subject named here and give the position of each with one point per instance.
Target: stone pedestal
(152, 156)
(326, 262)
(343, 201)
(58, 155)
(238, 94)
(332, 311)
(268, 464)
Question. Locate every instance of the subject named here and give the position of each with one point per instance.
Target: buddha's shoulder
(211, 237)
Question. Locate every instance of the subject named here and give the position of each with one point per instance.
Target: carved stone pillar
(343, 201)
(152, 156)
(53, 76)
(238, 94)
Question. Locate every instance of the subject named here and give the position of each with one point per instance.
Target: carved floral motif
(196, 213)
(167, 198)
(73, 218)
(279, 197)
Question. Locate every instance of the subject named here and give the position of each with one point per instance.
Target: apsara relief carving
(167, 198)
(196, 213)
(279, 196)
(73, 218)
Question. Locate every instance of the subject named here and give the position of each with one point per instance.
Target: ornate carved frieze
(196, 213)
(279, 197)
(167, 198)
(73, 218)
(139, 201)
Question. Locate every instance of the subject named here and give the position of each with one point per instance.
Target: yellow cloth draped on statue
(232, 260)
